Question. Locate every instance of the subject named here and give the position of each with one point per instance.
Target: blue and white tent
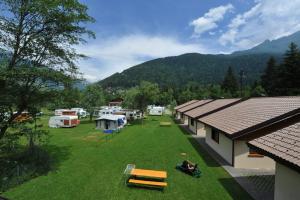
(111, 122)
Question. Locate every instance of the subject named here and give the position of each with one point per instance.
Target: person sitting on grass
(186, 164)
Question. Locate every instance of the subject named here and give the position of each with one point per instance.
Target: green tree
(230, 83)
(38, 36)
(270, 77)
(130, 97)
(93, 96)
(257, 90)
(166, 97)
(148, 93)
(289, 72)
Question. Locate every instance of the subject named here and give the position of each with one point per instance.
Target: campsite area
(87, 165)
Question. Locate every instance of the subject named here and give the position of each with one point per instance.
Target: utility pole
(242, 76)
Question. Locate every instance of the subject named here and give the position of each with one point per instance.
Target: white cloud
(209, 20)
(116, 54)
(267, 19)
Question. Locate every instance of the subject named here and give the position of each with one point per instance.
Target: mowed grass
(89, 167)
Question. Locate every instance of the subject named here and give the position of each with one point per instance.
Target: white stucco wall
(191, 127)
(177, 115)
(287, 183)
(185, 120)
(242, 159)
(201, 129)
(198, 128)
(223, 148)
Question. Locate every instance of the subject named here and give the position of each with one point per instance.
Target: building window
(192, 122)
(215, 135)
(253, 153)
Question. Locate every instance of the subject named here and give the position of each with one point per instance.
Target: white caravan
(80, 111)
(63, 121)
(156, 110)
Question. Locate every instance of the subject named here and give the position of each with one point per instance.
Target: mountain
(278, 46)
(177, 71)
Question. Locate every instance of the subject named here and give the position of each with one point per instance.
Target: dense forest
(179, 70)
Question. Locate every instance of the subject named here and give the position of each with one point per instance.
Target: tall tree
(38, 37)
(270, 77)
(147, 94)
(230, 83)
(289, 72)
(93, 96)
(129, 98)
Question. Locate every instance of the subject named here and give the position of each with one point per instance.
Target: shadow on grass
(29, 164)
(203, 153)
(211, 162)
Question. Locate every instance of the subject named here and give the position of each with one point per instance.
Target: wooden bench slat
(143, 182)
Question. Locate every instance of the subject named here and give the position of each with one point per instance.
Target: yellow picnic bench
(148, 183)
(156, 178)
(165, 123)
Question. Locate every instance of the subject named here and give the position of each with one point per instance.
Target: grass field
(89, 167)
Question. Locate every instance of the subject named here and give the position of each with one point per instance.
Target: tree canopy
(38, 38)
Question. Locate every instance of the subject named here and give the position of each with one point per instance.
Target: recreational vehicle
(80, 112)
(107, 111)
(63, 121)
(156, 110)
(59, 112)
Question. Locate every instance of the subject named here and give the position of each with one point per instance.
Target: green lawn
(89, 167)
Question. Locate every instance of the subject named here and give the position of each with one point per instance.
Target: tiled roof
(193, 105)
(250, 113)
(210, 107)
(283, 144)
(185, 104)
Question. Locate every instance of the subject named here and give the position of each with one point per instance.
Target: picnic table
(145, 177)
(165, 123)
(149, 173)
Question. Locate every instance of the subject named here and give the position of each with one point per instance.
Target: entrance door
(106, 124)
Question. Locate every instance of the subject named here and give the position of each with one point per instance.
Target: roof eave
(275, 157)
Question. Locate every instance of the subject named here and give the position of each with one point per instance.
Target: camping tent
(111, 122)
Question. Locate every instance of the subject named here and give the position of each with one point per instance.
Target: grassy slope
(92, 168)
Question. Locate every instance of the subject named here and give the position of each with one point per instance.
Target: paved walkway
(258, 183)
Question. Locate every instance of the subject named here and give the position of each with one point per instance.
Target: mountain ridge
(204, 69)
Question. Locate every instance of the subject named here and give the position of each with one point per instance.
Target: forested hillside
(203, 69)
(179, 70)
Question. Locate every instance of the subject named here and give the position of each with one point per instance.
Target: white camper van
(156, 110)
(63, 121)
(80, 111)
(59, 112)
(107, 111)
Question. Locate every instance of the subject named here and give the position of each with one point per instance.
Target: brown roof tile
(185, 104)
(193, 105)
(211, 106)
(285, 147)
(251, 112)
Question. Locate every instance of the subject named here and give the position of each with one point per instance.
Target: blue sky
(130, 32)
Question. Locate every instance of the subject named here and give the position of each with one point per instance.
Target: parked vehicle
(155, 110)
(63, 121)
(80, 112)
(107, 111)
